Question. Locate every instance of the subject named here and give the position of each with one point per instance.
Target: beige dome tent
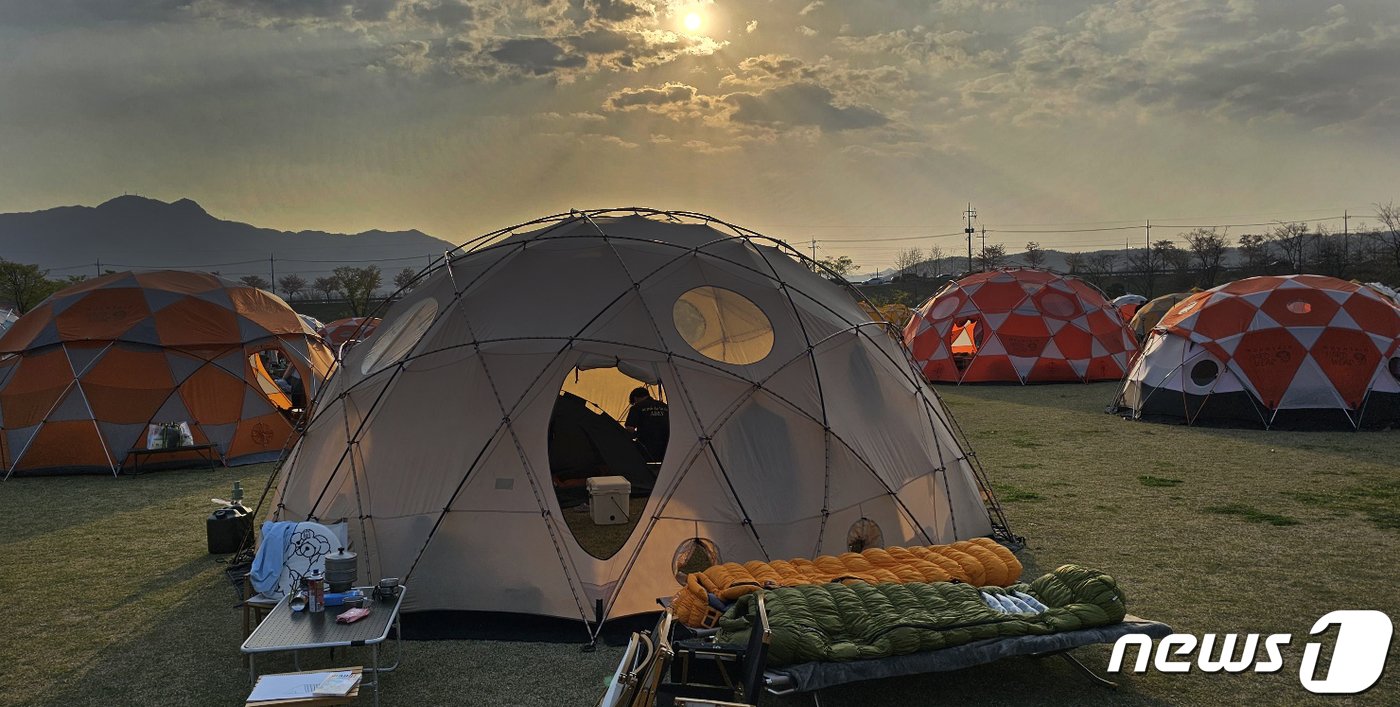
(795, 420)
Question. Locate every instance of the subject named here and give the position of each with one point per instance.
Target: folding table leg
(1084, 669)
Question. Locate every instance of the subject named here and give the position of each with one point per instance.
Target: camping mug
(387, 589)
(297, 602)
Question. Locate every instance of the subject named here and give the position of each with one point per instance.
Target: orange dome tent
(1019, 325)
(1295, 351)
(340, 331)
(86, 373)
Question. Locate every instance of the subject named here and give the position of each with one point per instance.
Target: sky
(853, 123)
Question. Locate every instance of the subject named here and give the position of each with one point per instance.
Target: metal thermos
(342, 567)
(315, 592)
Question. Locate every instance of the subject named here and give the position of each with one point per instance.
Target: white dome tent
(795, 419)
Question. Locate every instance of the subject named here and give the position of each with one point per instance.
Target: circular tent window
(1205, 372)
(394, 341)
(864, 534)
(723, 325)
(1299, 307)
(693, 555)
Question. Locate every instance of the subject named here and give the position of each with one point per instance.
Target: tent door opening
(608, 434)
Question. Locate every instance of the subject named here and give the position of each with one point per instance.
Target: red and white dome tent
(340, 331)
(1019, 325)
(1292, 352)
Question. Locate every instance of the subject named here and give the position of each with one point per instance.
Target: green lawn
(111, 598)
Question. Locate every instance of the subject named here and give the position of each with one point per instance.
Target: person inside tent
(649, 420)
(290, 383)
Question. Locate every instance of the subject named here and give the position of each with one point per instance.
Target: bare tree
(1034, 256)
(1098, 268)
(1150, 263)
(1254, 252)
(359, 285)
(256, 281)
(1291, 240)
(1208, 247)
(1330, 254)
(991, 256)
(292, 285)
(907, 261)
(935, 260)
(327, 286)
(1387, 237)
(1075, 262)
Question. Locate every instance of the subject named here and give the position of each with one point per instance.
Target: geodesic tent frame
(774, 413)
(86, 372)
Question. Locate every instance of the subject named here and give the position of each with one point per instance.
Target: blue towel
(267, 564)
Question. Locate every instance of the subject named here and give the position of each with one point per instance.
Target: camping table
(287, 630)
(208, 452)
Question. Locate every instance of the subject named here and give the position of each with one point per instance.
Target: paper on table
(286, 687)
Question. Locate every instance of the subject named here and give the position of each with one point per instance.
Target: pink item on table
(352, 615)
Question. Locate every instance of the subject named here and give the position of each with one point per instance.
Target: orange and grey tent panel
(84, 375)
(1293, 352)
(1019, 325)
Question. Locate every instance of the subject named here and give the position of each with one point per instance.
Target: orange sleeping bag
(980, 562)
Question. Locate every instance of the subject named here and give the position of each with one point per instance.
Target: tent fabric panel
(37, 384)
(22, 333)
(55, 445)
(182, 282)
(213, 395)
(268, 311)
(194, 322)
(103, 316)
(263, 434)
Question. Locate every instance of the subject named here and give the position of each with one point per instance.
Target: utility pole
(968, 216)
(1346, 236)
(99, 267)
(272, 270)
(984, 237)
(1148, 235)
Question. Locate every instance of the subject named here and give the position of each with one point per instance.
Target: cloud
(806, 31)
(629, 98)
(620, 10)
(535, 55)
(810, 8)
(801, 104)
(751, 27)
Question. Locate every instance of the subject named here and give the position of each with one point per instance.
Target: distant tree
(1387, 237)
(292, 285)
(1034, 256)
(1254, 253)
(935, 260)
(327, 286)
(842, 265)
(991, 257)
(1150, 263)
(1291, 241)
(256, 281)
(359, 285)
(1208, 248)
(907, 261)
(405, 278)
(1099, 268)
(1330, 254)
(1075, 262)
(26, 285)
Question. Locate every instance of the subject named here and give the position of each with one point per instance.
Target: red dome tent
(84, 375)
(341, 331)
(1296, 351)
(1019, 325)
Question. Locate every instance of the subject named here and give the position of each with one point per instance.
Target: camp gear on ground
(1019, 325)
(226, 528)
(857, 620)
(98, 362)
(801, 418)
(608, 498)
(1278, 352)
(979, 562)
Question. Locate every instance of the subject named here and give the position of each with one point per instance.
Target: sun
(693, 21)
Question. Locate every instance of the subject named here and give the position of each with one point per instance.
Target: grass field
(110, 597)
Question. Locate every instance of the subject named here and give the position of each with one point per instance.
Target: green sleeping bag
(855, 621)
